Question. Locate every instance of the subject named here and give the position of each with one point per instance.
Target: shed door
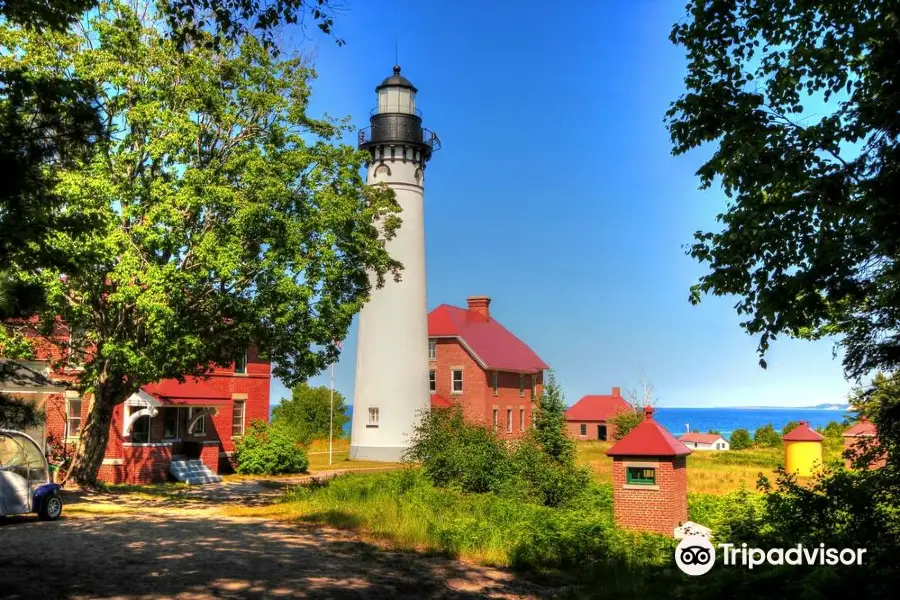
(601, 433)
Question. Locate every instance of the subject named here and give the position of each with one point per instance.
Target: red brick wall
(851, 443)
(210, 456)
(478, 399)
(645, 508)
(140, 464)
(574, 428)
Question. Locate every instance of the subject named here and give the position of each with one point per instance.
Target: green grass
(403, 510)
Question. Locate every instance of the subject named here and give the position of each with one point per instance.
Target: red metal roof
(597, 408)
(438, 401)
(192, 392)
(864, 428)
(700, 438)
(491, 343)
(649, 438)
(802, 433)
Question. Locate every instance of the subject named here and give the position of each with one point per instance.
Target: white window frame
(149, 430)
(244, 372)
(432, 349)
(453, 381)
(496, 414)
(432, 380)
(200, 427)
(582, 429)
(374, 417)
(509, 420)
(243, 403)
(77, 433)
(521, 418)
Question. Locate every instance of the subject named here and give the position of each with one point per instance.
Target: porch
(165, 423)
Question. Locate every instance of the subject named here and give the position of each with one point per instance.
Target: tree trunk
(94, 436)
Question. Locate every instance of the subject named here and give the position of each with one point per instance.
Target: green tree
(740, 439)
(789, 426)
(307, 413)
(550, 427)
(766, 437)
(50, 118)
(227, 215)
(800, 107)
(624, 421)
(16, 413)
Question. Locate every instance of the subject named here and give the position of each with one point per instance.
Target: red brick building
(589, 418)
(862, 437)
(650, 478)
(476, 362)
(197, 419)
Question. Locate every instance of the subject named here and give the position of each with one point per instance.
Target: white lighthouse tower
(392, 348)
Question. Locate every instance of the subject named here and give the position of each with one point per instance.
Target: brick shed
(650, 479)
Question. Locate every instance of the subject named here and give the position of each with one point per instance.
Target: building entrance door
(601, 433)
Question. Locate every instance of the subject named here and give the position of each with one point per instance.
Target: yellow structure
(802, 450)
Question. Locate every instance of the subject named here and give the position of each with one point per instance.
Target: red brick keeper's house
(198, 419)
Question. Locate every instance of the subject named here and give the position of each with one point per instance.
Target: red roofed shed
(589, 418)
(650, 478)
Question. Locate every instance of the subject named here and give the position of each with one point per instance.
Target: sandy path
(198, 554)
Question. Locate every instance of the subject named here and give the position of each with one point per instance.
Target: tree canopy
(799, 102)
(307, 413)
(225, 213)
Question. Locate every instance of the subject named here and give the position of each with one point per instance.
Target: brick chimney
(480, 305)
(617, 392)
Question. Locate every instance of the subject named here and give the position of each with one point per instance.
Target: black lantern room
(396, 124)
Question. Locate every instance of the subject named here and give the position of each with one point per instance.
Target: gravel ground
(163, 551)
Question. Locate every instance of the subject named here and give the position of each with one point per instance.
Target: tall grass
(403, 509)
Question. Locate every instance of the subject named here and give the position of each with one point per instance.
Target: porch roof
(193, 392)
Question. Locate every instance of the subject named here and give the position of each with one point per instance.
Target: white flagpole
(331, 417)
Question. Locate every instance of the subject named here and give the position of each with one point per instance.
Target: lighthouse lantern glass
(396, 99)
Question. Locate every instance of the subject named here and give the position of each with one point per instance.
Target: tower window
(432, 349)
(640, 476)
(432, 380)
(457, 381)
(373, 417)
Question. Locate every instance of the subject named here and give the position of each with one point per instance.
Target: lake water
(726, 420)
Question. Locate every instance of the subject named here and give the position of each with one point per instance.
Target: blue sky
(556, 193)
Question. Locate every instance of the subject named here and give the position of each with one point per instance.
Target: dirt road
(191, 554)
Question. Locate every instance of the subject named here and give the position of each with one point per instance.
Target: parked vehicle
(25, 484)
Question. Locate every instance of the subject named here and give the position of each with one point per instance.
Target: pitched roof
(649, 438)
(700, 438)
(438, 401)
(192, 392)
(802, 433)
(491, 344)
(597, 408)
(864, 428)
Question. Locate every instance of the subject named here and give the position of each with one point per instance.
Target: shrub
(624, 421)
(767, 437)
(307, 413)
(538, 478)
(459, 454)
(269, 450)
(740, 439)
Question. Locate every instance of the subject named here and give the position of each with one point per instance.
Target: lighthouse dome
(397, 80)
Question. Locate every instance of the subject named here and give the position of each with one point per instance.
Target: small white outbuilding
(704, 441)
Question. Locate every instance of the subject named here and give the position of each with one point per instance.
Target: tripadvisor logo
(696, 555)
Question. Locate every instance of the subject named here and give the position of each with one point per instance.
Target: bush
(740, 439)
(624, 421)
(537, 478)
(269, 450)
(767, 437)
(550, 424)
(456, 453)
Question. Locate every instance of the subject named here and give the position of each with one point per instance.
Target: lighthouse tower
(392, 349)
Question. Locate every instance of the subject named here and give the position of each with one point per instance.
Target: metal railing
(429, 138)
